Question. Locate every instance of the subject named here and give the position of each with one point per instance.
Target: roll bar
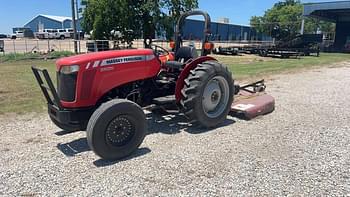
(181, 22)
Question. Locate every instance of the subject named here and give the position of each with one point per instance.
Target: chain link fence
(84, 46)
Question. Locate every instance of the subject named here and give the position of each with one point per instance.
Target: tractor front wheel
(116, 129)
(208, 94)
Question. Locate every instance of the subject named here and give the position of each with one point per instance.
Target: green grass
(19, 56)
(33, 56)
(20, 93)
(257, 66)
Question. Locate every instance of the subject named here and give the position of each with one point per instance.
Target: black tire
(195, 85)
(62, 37)
(103, 134)
(65, 127)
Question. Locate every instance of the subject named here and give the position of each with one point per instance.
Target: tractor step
(165, 105)
(162, 81)
(166, 100)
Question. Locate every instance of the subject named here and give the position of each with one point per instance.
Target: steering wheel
(159, 51)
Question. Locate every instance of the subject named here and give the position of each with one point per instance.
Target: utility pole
(74, 27)
(77, 22)
(302, 26)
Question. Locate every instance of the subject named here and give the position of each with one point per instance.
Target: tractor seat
(182, 55)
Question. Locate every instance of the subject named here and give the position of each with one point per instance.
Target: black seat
(182, 55)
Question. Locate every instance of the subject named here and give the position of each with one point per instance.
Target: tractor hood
(101, 56)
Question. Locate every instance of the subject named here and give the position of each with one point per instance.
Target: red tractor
(104, 92)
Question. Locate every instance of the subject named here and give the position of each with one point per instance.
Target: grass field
(19, 92)
(254, 66)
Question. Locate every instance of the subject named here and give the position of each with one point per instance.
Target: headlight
(69, 69)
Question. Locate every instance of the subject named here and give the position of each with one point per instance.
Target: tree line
(283, 21)
(125, 20)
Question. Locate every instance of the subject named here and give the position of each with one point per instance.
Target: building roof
(332, 11)
(60, 19)
(56, 18)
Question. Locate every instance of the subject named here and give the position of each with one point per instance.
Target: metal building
(337, 12)
(193, 30)
(42, 21)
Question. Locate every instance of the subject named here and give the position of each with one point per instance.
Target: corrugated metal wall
(342, 35)
(193, 30)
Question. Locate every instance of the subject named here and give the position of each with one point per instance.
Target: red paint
(88, 78)
(186, 71)
(168, 57)
(104, 81)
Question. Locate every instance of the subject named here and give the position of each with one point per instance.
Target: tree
(283, 21)
(153, 17)
(109, 20)
(125, 20)
(175, 8)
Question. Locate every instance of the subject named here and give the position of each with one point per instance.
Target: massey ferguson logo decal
(123, 60)
(120, 60)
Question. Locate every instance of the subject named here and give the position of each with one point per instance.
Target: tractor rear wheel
(116, 129)
(208, 94)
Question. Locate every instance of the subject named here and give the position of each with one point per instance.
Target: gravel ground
(300, 149)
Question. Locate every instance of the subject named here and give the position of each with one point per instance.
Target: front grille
(66, 86)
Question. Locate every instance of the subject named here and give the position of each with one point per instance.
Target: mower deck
(249, 104)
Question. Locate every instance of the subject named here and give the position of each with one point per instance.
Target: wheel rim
(120, 131)
(215, 97)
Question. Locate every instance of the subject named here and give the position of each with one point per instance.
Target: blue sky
(15, 13)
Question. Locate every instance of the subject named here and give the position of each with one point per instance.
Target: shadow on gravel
(138, 153)
(62, 133)
(80, 145)
(169, 123)
(173, 123)
(75, 147)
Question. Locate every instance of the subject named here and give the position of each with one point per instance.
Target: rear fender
(186, 71)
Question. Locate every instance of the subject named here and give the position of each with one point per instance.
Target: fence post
(25, 42)
(79, 46)
(14, 46)
(48, 46)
